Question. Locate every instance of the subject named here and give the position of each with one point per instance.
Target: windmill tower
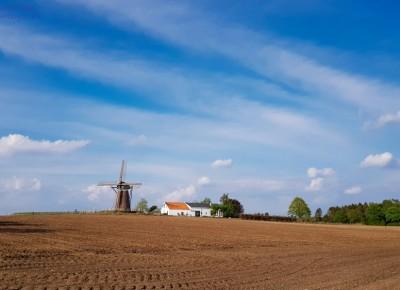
(122, 189)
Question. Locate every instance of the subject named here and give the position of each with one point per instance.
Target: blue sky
(265, 100)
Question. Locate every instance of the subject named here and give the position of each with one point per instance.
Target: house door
(197, 213)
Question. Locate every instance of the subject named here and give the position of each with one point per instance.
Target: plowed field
(153, 252)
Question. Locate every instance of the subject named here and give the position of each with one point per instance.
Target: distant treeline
(384, 213)
(266, 217)
(105, 212)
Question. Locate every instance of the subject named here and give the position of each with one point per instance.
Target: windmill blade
(106, 184)
(122, 172)
(125, 166)
(133, 183)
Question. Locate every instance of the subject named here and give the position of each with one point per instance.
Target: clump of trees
(384, 213)
(230, 207)
(142, 207)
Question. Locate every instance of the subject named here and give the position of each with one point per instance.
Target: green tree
(235, 208)
(230, 207)
(354, 215)
(153, 208)
(224, 198)
(206, 200)
(141, 205)
(318, 215)
(340, 216)
(299, 208)
(375, 214)
(392, 214)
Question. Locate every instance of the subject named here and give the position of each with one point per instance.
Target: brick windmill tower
(123, 190)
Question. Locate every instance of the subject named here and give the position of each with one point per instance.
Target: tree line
(386, 212)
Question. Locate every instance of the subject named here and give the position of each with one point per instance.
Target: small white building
(199, 209)
(195, 209)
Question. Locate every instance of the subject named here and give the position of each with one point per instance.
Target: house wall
(203, 211)
(173, 212)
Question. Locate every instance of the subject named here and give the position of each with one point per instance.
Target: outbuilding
(199, 209)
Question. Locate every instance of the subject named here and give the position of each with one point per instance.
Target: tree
(318, 215)
(392, 214)
(224, 198)
(141, 205)
(235, 207)
(299, 208)
(206, 200)
(375, 214)
(340, 216)
(230, 207)
(153, 208)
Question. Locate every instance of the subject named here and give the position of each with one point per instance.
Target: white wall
(174, 212)
(203, 211)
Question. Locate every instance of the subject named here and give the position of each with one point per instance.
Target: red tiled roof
(177, 205)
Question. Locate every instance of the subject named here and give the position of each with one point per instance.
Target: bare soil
(156, 252)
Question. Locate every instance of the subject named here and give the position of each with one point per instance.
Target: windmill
(122, 189)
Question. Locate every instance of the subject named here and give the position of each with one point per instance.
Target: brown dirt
(150, 252)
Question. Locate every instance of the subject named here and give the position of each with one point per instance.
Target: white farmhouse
(186, 209)
(175, 209)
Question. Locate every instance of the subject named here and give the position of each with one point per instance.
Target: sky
(264, 100)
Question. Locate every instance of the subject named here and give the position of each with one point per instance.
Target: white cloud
(315, 184)
(204, 180)
(353, 190)
(182, 194)
(95, 192)
(318, 177)
(222, 163)
(387, 119)
(383, 160)
(16, 143)
(20, 184)
(313, 172)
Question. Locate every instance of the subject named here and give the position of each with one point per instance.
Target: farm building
(186, 209)
(175, 208)
(199, 209)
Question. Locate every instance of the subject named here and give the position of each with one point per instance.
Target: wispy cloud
(353, 190)
(221, 163)
(385, 119)
(313, 172)
(20, 184)
(204, 180)
(95, 193)
(383, 160)
(16, 143)
(183, 25)
(315, 184)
